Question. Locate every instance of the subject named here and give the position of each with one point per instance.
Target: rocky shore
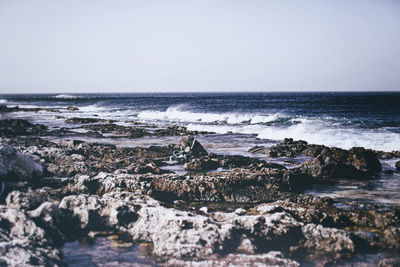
(226, 210)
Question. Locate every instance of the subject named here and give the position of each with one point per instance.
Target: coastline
(222, 209)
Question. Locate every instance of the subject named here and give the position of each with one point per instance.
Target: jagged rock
(236, 186)
(50, 217)
(397, 165)
(191, 146)
(323, 242)
(15, 166)
(289, 148)
(22, 243)
(356, 163)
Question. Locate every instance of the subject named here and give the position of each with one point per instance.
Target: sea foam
(62, 96)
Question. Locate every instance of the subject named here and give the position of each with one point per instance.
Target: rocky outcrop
(192, 147)
(356, 163)
(132, 132)
(289, 148)
(397, 165)
(76, 120)
(17, 127)
(17, 167)
(23, 243)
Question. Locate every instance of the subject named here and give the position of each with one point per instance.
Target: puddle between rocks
(112, 250)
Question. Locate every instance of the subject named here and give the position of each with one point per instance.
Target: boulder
(356, 163)
(192, 147)
(15, 166)
(397, 165)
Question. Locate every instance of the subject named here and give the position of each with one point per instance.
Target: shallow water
(109, 250)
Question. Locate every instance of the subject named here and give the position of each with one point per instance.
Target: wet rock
(192, 147)
(174, 130)
(15, 166)
(356, 163)
(397, 165)
(272, 258)
(76, 120)
(132, 132)
(202, 164)
(389, 262)
(289, 148)
(17, 127)
(72, 108)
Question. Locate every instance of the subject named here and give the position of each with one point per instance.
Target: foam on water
(3, 101)
(62, 96)
(178, 114)
(314, 132)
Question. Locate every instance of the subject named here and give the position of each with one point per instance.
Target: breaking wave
(65, 96)
(278, 126)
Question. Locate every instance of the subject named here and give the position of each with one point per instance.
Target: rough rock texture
(22, 243)
(355, 163)
(236, 217)
(397, 165)
(132, 132)
(289, 148)
(192, 147)
(15, 166)
(15, 127)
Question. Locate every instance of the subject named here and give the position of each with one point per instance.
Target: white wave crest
(93, 109)
(177, 114)
(315, 131)
(3, 101)
(65, 96)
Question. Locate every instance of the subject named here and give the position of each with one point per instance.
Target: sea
(340, 119)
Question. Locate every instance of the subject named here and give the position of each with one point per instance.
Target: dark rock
(16, 127)
(356, 163)
(201, 164)
(397, 165)
(72, 108)
(15, 166)
(76, 120)
(289, 148)
(133, 132)
(174, 130)
(192, 147)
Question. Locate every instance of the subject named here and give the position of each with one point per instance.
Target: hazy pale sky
(54, 46)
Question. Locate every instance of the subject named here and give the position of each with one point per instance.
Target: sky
(77, 46)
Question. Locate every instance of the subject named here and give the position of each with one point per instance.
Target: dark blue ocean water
(335, 118)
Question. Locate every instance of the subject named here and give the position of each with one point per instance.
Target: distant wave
(65, 97)
(3, 101)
